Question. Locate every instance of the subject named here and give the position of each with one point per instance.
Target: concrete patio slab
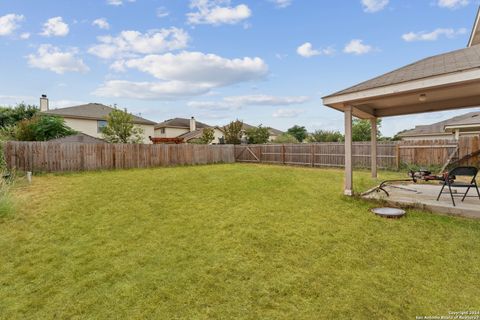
(424, 196)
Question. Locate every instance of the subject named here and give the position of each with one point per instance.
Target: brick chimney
(193, 124)
(43, 103)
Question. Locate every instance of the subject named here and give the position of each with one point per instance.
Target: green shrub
(286, 138)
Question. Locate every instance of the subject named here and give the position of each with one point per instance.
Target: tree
(362, 130)
(285, 138)
(41, 128)
(208, 135)
(233, 132)
(121, 129)
(325, 136)
(9, 116)
(257, 135)
(300, 133)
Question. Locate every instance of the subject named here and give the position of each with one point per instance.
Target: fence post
(397, 156)
(283, 154)
(312, 147)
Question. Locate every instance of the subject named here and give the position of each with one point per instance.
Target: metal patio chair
(451, 183)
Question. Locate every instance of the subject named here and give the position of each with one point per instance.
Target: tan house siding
(170, 132)
(218, 135)
(90, 127)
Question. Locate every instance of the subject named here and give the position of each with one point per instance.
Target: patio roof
(443, 82)
(446, 81)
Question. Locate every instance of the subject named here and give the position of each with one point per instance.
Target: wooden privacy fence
(438, 152)
(390, 155)
(326, 154)
(55, 157)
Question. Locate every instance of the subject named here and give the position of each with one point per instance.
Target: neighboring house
(184, 130)
(274, 133)
(464, 125)
(90, 118)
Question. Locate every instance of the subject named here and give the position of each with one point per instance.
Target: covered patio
(443, 82)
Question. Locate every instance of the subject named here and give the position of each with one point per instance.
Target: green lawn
(224, 242)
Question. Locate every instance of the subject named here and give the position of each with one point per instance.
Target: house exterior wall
(170, 132)
(272, 138)
(89, 127)
(218, 134)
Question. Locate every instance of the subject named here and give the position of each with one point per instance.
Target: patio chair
(451, 183)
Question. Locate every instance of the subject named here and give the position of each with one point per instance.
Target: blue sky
(264, 61)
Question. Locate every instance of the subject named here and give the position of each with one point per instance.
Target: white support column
(348, 183)
(373, 154)
(457, 134)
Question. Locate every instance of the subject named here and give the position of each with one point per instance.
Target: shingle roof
(79, 137)
(474, 119)
(272, 131)
(455, 61)
(191, 134)
(439, 127)
(94, 111)
(180, 123)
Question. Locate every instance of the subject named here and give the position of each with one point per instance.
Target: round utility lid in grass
(392, 213)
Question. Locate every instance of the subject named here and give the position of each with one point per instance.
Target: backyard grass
(223, 242)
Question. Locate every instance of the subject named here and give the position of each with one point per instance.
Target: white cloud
(52, 58)
(25, 36)
(162, 12)
(55, 27)
(374, 5)
(102, 23)
(217, 12)
(434, 35)
(237, 102)
(357, 47)
(452, 4)
(287, 113)
(129, 43)
(150, 90)
(182, 75)
(118, 2)
(198, 67)
(306, 50)
(282, 3)
(9, 23)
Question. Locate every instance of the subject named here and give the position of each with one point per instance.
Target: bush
(325, 136)
(41, 128)
(233, 132)
(257, 135)
(10, 116)
(121, 129)
(285, 138)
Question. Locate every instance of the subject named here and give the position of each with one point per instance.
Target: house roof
(94, 111)
(180, 123)
(272, 131)
(79, 137)
(450, 62)
(475, 35)
(439, 127)
(191, 134)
